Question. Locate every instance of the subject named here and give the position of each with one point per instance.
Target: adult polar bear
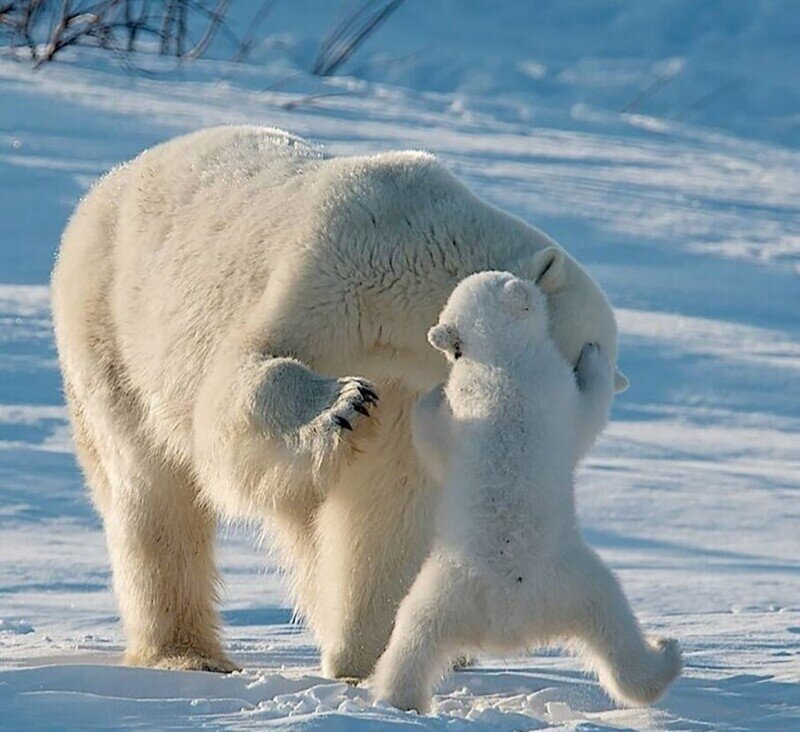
(211, 299)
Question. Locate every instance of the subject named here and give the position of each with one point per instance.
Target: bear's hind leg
(161, 543)
(635, 670)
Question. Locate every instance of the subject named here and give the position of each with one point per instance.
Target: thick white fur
(219, 303)
(509, 568)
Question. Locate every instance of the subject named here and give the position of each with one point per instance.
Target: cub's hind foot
(643, 681)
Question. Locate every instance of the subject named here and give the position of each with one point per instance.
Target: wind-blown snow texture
(686, 209)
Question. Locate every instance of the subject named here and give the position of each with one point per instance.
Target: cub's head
(490, 312)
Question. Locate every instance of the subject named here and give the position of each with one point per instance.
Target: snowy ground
(691, 495)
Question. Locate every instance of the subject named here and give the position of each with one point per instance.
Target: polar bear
(228, 308)
(509, 567)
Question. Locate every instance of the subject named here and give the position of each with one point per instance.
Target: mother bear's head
(414, 230)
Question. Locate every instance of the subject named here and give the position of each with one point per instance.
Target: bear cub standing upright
(509, 567)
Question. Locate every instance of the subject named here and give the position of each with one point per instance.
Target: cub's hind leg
(591, 607)
(440, 617)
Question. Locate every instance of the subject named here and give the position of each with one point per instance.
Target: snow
(691, 222)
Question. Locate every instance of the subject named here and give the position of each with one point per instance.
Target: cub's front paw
(593, 368)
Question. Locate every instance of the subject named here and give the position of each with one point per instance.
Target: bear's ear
(547, 269)
(516, 298)
(445, 338)
(621, 382)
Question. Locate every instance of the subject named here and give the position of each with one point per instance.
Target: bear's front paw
(355, 399)
(353, 403)
(347, 664)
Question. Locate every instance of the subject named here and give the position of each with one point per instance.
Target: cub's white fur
(220, 303)
(509, 567)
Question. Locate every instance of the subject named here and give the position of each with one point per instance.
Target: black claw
(342, 422)
(368, 395)
(361, 409)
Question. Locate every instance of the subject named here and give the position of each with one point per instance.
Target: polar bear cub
(509, 567)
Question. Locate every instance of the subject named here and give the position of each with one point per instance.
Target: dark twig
(345, 39)
(46, 27)
(309, 98)
(704, 100)
(248, 41)
(651, 90)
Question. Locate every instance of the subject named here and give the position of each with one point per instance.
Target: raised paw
(354, 401)
(348, 402)
(593, 367)
(463, 662)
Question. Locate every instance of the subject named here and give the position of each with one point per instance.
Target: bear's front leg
(373, 532)
(312, 414)
(269, 429)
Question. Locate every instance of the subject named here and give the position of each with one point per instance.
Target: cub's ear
(621, 382)
(516, 298)
(445, 338)
(547, 269)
